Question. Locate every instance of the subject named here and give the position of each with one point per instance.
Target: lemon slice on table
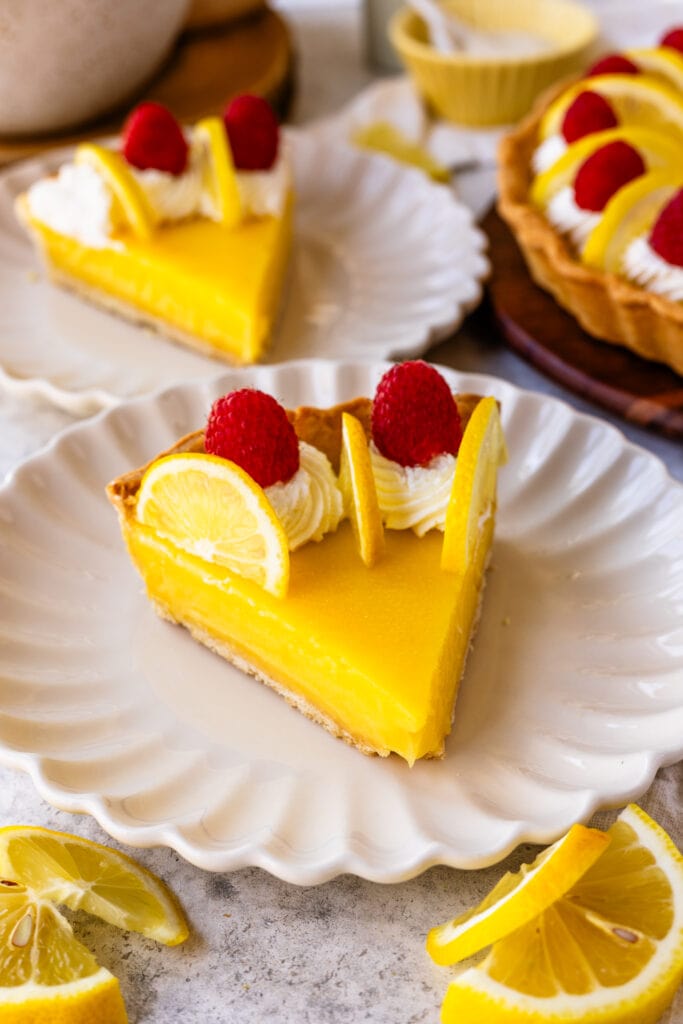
(630, 213)
(518, 897)
(211, 508)
(128, 193)
(83, 875)
(221, 177)
(637, 100)
(357, 484)
(46, 975)
(383, 137)
(658, 151)
(610, 951)
(473, 493)
(660, 62)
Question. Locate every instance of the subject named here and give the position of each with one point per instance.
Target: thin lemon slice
(660, 62)
(127, 191)
(630, 213)
(473, 494)
(46, 975)
(357, 485)
(637, 100)
(82, 875)
(221, 178)
(518, 897)
(385, 138)
(211, 508)
(658, 151)
(610, 951)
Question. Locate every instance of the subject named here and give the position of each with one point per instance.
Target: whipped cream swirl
(642, 265)
(310, 504)
(569, 219)
(548, 153)
(76, 202)
(413, 497)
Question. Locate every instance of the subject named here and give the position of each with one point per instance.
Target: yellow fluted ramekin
(472, 90)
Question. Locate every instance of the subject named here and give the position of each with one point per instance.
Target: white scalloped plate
(385, 264)
(571, 700)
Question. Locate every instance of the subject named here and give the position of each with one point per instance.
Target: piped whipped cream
(78, 202)
(569, 219)
(642, 265)
(545, 155)
(310, 504)
(413, 497)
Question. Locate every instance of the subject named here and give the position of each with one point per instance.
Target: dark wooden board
(643, 392)
(206, 68)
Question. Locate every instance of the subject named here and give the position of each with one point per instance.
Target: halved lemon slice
(637, 100)
(518, 896)
(221, 177)
(610, 951)
(129, 194)
(357, 485)
(82, 875)
(211, 508)
(385, 138)
(631, 212)
(657, 150)
(473, 494)
(660, 62)
(46, 975)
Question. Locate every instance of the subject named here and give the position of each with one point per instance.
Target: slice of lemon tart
(336, 554)
(188, 232)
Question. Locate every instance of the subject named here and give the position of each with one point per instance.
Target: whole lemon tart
(338, 555)
(185, 230)
(591, 184)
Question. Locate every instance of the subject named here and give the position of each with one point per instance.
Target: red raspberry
(667, 235)
(673, 38)
(253, 132)
(250, 428)
(153, 138)
(590, 112)
(604, 173)
(613, 64)
(414, 416)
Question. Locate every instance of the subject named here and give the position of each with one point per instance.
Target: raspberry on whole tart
(673, 38)
(604, 173)
(152, 138)
(253, 132)
(251, 429)
(590, 112)
(666, 238)
(414, 417)
(613, 64)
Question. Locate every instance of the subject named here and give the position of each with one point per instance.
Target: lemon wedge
(609, 951)
(660, 62)
(357, 485)
(383, 137)
(631, 212)
(221, 177)
(128, 193)
(473, 494)
(46, 975)
(637, 100)
(518, 897)
(658, 151)
(83, 875)
(210, 508)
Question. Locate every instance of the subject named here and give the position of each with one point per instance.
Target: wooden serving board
(643, 392)
(205, 69)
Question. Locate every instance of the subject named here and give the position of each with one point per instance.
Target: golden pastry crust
(607, 306)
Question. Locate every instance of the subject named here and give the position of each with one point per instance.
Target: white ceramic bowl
(65, 62)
